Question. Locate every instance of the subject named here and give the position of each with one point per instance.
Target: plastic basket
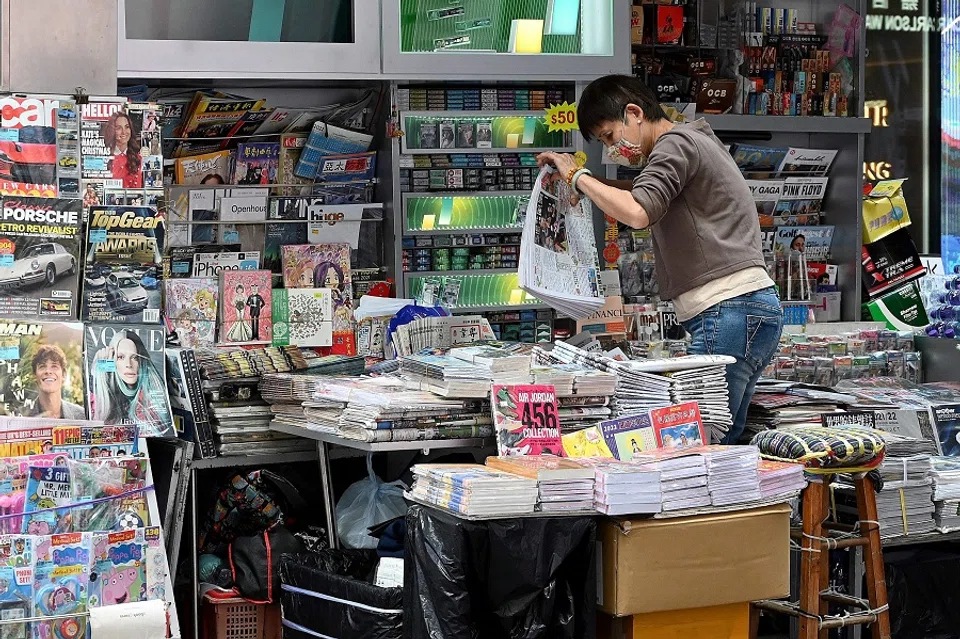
(237, 618)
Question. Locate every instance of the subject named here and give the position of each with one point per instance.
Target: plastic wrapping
(522, 578)
(328, 594)
(365, 504)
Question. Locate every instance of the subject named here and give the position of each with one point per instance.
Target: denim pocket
(763, 336)
(703, 332)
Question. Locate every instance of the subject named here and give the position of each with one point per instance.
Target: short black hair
(606, 98)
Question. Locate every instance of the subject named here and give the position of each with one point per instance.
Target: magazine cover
(120, 148)
(208, 168)
(246, 309)
(678, 426)
(809, 162)
(526, 419)
(29, 147)
(302, 317)
(213, 264)
(766, 194)
(125, 377)
(752, 158)
(41, 244)
(627, 436)
(801, 201)
(813, 241)
(291, 147)
(947, 420)
(41, 374)
(190, 307)
(325, 266)
(124, 260)
(257, 163)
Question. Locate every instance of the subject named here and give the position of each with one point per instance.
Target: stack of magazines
(558, 253)
(683, 477)
(455, 377)
(945, 474)
(564, 486)
(473, 490)
(623, 489)
(732, 474)
(780, 479)
(903, 507)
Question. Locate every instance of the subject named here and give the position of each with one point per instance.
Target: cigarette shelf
(498, 308)
(468, 230)
(454, 272)
(786, 124)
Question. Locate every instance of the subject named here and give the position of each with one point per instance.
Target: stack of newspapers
(473, 490)
(623, 489)
(946, 492)
(558, 253)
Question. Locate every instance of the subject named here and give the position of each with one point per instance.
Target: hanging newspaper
(558, 253)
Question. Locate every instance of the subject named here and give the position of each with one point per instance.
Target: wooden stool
(816, 544)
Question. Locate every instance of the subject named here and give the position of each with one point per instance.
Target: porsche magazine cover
(40, 257)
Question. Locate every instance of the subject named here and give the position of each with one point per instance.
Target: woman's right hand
(105, 353)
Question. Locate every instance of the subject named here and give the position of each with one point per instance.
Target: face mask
(626, 153)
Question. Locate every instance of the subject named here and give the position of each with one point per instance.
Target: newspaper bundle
(558, 253)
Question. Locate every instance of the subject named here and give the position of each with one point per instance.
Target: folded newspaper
(558, 253)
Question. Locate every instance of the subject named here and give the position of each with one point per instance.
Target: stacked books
(473, 490)
(732, 474)
(683, 477)
(780, 479)
(564, 486)
(623, 489)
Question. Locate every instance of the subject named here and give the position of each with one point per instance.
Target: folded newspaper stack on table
(558, 253)
(903, 507)
(946, 492)
(623, 489)
(683, 477)
(473, 490)
(732, 474)
(564, 485)
(780, 479)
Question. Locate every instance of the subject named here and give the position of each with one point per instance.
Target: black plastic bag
(255, 563)
(331, 593)
(525, 578)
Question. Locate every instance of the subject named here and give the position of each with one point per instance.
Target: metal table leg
(323, 458)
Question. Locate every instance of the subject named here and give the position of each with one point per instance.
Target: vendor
(706, 232)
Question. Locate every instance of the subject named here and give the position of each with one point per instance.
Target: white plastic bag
(367, 503)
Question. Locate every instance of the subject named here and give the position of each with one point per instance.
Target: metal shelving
(470, 271)
(787, 124)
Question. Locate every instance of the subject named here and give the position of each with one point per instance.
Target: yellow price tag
(561, 117)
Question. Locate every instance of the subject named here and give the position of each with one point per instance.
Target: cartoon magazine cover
(41, 373)
(123, 265)
(526, 419)
(325, 266)
(95, 441)
(41, 253)
(47, 488)
(246, 308)
(16, 584)
(31, 161)
(125, 377)
(679, 426)
(191, 311)
(62, 585)
(119, 575)
(627, 436)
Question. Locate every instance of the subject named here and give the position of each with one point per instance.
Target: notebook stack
(564, 486)
(683, 477)
(623, 489)
(780, 479)
(473, 490)
(732, 475)
(946, 492)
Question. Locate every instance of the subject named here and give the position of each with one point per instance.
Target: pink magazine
(245, 307)
(325, 266)
(679, 426)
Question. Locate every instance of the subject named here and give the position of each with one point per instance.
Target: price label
(561, 117)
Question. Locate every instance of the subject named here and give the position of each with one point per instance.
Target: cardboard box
(713, 622)
(890, 263)
(693, 562)
(636, 24)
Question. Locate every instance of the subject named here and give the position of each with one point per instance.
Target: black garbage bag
(923, 584)
(331, 594)
(525, 578)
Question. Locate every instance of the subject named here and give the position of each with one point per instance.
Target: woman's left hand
(565, 163)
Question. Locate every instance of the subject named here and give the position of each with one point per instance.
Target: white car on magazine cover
(124, 293)
(40, 263)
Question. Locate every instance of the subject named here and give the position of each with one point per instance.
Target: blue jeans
(748, 328)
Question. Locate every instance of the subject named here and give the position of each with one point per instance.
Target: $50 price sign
(561, 117)
(526, 419)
